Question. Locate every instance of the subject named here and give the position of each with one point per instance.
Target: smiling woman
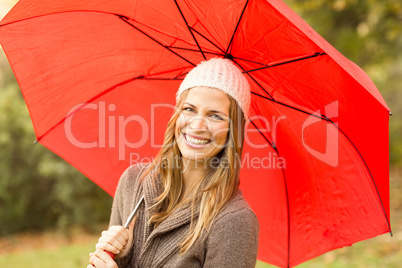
(202, 128)
(194, 214)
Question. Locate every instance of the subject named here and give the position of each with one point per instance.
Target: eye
(216, 117)
(188, 109)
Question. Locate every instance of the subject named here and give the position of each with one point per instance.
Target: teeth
(196, 141)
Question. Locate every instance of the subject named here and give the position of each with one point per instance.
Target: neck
(193, 171)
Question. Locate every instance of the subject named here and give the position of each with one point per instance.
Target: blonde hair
(214, 191)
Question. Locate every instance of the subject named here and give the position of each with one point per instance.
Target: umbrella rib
(286, 188)
(272, 144)
(189, 29)
(256, 62)
(258, 84)
(183, 74)
(287, 61)
(255, 81)
(288, 210)
(237, 26)
(53, 13)
(207, 39)
(81, 107)
(274, 65)
(368, 169)
(323, 117)
(158, 78)
(100, 95)
(194, 50)
(125, 19)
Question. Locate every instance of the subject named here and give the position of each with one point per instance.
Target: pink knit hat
(222, 74)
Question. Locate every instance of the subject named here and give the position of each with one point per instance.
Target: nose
(198, 123)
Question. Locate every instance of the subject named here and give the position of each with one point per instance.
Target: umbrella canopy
(100, 77)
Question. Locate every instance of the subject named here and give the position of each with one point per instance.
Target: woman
(194, 215)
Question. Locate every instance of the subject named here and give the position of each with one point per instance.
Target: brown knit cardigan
(232, 240)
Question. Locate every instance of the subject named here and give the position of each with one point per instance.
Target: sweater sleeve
(125, 192)
(117, 207)
(233, 241)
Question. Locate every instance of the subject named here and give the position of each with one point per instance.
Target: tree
(368, 32)
(39, 190)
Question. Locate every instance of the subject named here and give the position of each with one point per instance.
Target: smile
(194, 141)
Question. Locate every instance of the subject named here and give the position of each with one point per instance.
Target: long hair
(213, 192)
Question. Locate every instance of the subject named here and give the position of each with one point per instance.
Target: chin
(193, 157)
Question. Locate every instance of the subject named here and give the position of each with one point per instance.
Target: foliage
(368, 32)
(38, 190)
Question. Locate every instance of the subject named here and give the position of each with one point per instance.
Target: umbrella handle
(112, 255)
(130, 218)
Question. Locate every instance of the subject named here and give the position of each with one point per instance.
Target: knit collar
(153, 187)
(155, 251)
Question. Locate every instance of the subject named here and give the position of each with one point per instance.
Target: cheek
(221, 133)
(179, 124)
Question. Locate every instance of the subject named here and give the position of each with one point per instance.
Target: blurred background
(51, 214)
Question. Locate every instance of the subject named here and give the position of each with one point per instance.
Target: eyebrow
(213, 111)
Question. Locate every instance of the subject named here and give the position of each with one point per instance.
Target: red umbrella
(100, 77)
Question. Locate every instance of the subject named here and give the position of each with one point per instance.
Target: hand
(114, 240)
(100, 259)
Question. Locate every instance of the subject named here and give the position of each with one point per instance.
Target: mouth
(196, 142)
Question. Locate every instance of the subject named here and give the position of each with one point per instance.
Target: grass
(379, 252)
(62, 257)
(50, 250)
(47, 250)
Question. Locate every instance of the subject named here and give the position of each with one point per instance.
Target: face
(203, 125)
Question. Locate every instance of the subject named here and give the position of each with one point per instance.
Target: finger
(116, 228)
(123, 233)
(102, 254)
(109, 243)
(101, 259)
(90, 266)
(117, 232)
(109, 247)
(113, 238)
(96, 261)
(106, 258)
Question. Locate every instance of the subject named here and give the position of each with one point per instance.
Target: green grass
(380, 252)
(70, 256)
(54, 250)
